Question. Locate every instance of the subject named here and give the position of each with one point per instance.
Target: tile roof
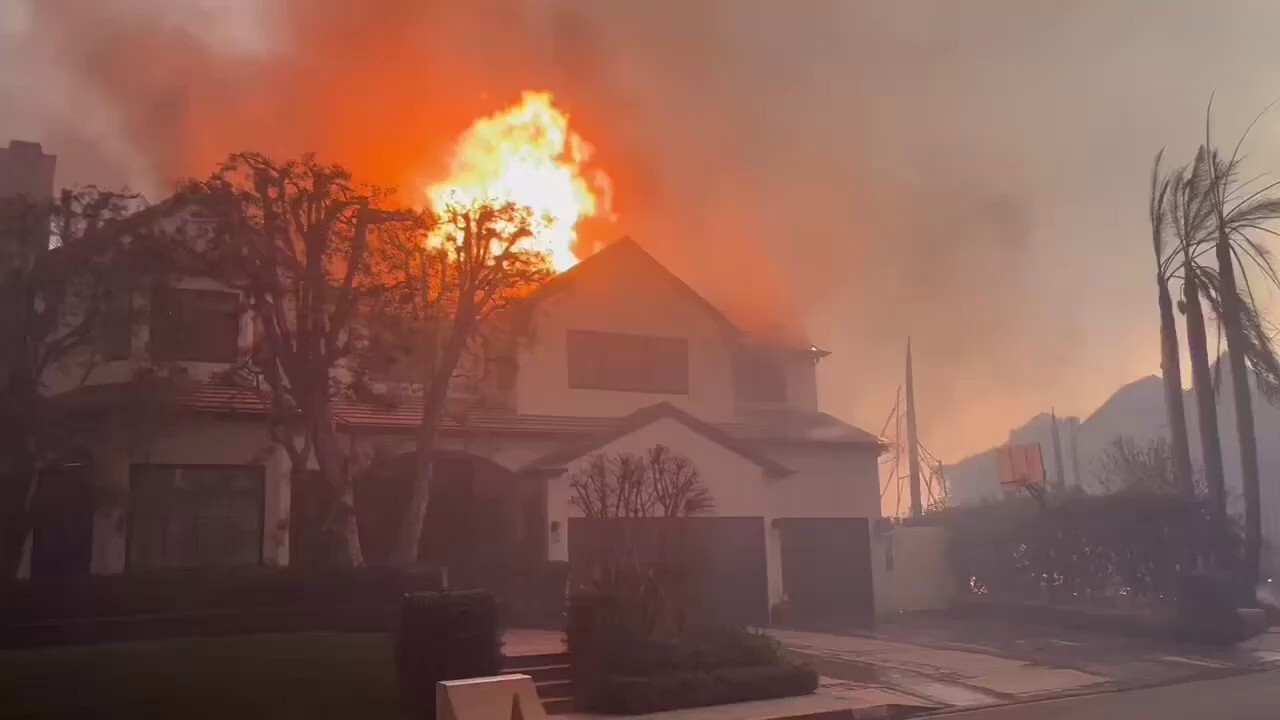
(403, 416)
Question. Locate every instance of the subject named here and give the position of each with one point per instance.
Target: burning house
(620, 356)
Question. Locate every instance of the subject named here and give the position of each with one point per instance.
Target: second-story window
(115, 338)
(634, 363)
(759, 377)
(195, 325)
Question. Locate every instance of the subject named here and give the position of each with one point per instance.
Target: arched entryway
(62, 518)
(483, 521)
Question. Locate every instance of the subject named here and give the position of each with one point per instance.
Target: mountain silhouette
(1136, 410)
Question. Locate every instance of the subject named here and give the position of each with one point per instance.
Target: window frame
(158, 302)
(742, 358)
(584, 380)
(106, 328)
(261, 477)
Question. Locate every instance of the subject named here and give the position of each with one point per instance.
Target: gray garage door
(721, 558)
(826, 572)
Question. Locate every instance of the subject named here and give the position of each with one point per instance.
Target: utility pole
(913, 442)
(1060, 475)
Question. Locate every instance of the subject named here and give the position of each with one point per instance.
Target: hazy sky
(973, 174)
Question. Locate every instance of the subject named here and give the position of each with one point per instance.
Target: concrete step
(545, 673)
(559, 706)
(518, 663)
(554, 689)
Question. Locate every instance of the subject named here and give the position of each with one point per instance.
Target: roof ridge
(648, 415)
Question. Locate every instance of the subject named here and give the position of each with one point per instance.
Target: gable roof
(647, 416)
(628, 253)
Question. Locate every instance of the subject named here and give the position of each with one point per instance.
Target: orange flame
(528, 156)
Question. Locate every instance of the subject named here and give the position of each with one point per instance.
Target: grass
(309, 675)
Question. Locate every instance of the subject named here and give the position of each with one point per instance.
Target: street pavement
(937, 661)
(1252, 696)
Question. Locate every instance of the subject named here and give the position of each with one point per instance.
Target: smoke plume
(850, 173)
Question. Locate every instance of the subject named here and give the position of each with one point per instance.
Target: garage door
(826, 572)
(722, 559)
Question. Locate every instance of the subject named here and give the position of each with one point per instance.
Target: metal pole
(913, 443)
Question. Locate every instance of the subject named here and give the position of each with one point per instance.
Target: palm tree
(1170, 360)
(1236, 214)
(1189, 216)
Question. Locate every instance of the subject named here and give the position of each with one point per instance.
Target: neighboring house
(621, 356)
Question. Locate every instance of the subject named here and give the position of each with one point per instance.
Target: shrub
(671, 690)
(618, 667)
(445, 636)
(172, 592)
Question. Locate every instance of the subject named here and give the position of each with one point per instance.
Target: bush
(1113, 550)
(619, 667)
(632, 695)
(445, 636)
(172, 592)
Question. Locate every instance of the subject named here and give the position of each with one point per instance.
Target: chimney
(25, 169)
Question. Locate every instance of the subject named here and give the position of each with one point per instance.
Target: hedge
(631, 695)
(181, 591)
(618, 668)
(204, 602)
(445, 636)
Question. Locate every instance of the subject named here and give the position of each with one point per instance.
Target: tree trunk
(1171, 373)
(341, 526)
(1207, 412)
(438, 371)
(410, 539)
(18, 524)
(1231, 323)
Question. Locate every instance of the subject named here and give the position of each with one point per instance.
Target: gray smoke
(972, 174)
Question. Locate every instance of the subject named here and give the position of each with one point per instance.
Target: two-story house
(621, 355)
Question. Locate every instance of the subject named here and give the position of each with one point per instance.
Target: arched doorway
(483, 521)
(62, 518)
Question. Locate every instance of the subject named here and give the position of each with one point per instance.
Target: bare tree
(62, 263)
(450, 288)
(1130, 466)
(295, 237)
(677, 489)
(658, 484)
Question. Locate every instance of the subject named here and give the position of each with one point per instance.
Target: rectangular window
(759, 378)
(634, 363)
(116, 338)
(188, 516)
(199, 325)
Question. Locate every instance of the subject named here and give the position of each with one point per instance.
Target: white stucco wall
(911, 570)
(190, 441)
(70, 373)
(640, 302)
(737, 485)
(828, 483)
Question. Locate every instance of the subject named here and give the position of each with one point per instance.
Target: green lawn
(310, 675)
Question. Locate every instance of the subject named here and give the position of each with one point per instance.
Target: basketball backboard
(1020, 466)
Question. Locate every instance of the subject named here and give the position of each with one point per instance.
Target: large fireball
(527, 155)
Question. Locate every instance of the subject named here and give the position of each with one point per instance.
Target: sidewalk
(941, 677)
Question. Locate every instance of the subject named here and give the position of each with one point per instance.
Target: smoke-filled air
(848, 174)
